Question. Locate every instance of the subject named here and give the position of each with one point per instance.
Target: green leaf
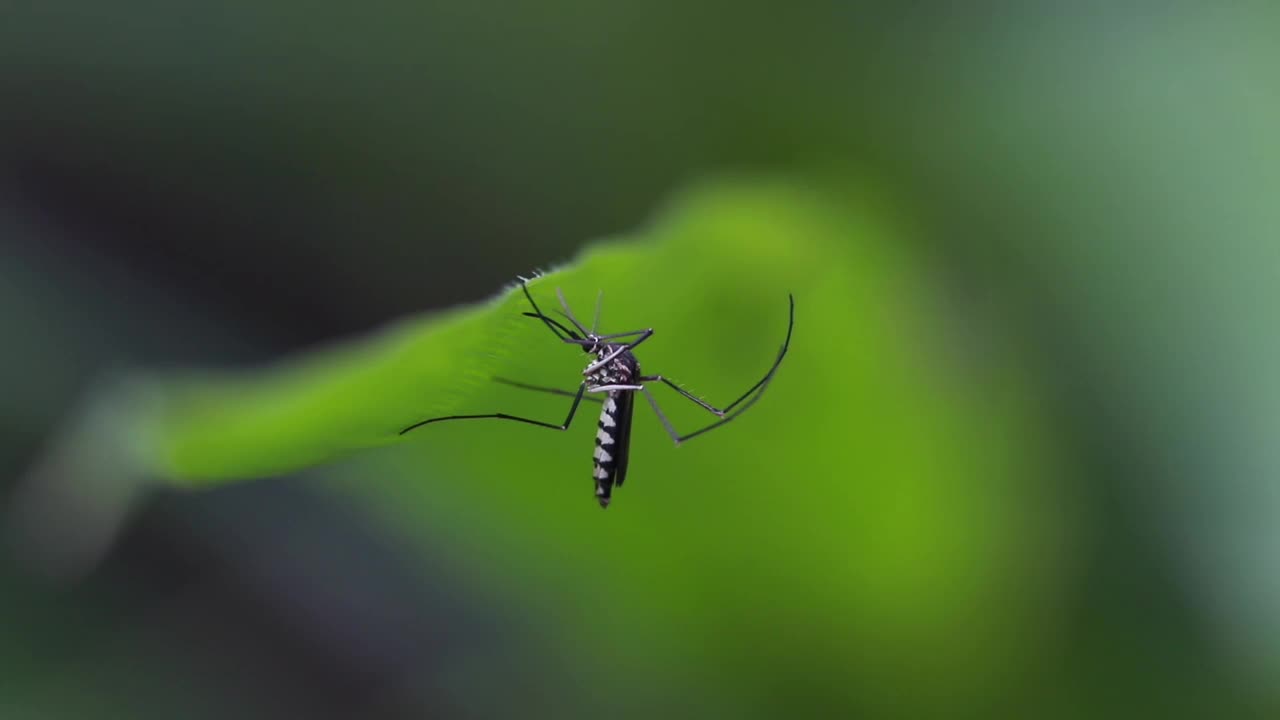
(889, 487)
(716, 284)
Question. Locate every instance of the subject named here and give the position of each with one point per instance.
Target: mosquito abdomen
(608, 449)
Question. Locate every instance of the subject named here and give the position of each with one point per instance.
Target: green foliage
(872, 511)
(712, 277)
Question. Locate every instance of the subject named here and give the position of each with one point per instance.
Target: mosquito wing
(625, 407)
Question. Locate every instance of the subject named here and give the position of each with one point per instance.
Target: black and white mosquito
(616, 373)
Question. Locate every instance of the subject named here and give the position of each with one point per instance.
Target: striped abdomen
(613, 441)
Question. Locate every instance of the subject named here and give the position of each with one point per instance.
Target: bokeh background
(1089, 191)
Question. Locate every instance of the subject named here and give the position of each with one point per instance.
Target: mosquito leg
(662, 418)
(749, 398)
(503, 416)
(677, 438)
(730, 416)
(701, 403)
(539, 388)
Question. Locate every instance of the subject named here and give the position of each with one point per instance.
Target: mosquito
(615, 372)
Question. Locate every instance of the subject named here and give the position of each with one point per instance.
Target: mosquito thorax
(621, 370)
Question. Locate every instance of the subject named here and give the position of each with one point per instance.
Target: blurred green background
(1020, 460)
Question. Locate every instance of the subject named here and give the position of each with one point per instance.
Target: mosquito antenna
(552, 321)
(595, 322)
(569, 313)
(551, 324)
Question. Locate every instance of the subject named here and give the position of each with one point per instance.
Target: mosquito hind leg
(745, 401)
(693, 398)
(548, 390)
(573, 409)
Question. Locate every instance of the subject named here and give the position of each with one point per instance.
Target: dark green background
(1091, 192)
